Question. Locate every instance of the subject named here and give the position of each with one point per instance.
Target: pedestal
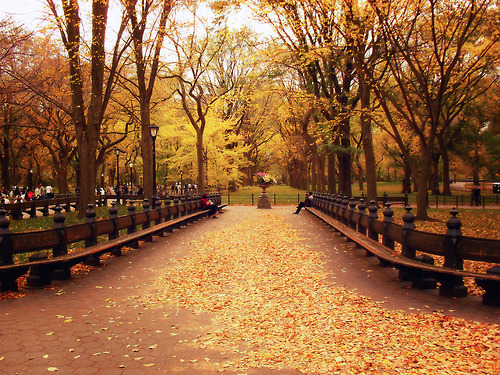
(264, 200)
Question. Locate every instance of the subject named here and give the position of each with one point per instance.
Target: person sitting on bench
(207, 204)
(307, 202)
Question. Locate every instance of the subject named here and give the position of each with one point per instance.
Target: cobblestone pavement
(96, 323)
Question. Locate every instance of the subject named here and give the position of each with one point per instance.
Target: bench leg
(93, 260)
(491, 297)
(491, 288)
(452, 286)
(423, 279)
(117, 251)
(384, 263)
(9, 278)
(62, 272)
(38, 277)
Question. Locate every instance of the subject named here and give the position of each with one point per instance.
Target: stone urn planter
(264, 200)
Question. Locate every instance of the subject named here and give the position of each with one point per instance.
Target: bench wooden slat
(78, 232)
(431, 243)
(34, 241)
(379, 250)
(104, 226)
(486, 252)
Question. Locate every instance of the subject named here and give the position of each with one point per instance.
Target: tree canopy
(333, 92)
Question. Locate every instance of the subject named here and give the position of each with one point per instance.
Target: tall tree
(193, 86)
(147, 50)
(326, 68)
(363, 41)
(87, 114)
(433, 48)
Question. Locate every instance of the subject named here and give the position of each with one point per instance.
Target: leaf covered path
(255, 292)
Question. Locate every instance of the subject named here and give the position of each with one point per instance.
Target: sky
(27, 11)
(31, 13)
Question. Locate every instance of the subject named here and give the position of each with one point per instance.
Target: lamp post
(117, 152)
(131, 165)
(30, 179)
(181, 182)
(153, 129)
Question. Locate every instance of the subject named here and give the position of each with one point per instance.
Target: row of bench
(43, 267)
(378, 238)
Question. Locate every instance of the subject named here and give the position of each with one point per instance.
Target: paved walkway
(98, 323)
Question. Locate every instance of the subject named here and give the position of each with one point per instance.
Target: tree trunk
(475, 165)
(147, 151)
(332, 170)
(201, 161)
(321, 172)
(434, 176)
(425, 169)
(4, 161)
(446, 166)
(344, 159)
(62, 178)
(367, 142)
(360, 175)
(87, 173)
(406, 178)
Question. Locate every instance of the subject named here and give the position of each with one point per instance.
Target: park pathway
(254, 292)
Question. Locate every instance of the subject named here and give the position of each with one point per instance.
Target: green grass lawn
(279, 194)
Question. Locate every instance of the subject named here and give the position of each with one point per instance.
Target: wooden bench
(421, 274)
(42, 269)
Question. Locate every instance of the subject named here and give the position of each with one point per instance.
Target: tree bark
(367, 142)
(446, 165)
(344, 159)
(332, 170)
(200, 160)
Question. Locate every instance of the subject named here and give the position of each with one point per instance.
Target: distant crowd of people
(178, 189)
(23, 194)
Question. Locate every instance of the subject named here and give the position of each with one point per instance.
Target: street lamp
(30, 179)
(153, 129)
(117, 152)
(181, 182)
(131, 165)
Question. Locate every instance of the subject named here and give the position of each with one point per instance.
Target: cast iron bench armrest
(10, 272)
(389, 258)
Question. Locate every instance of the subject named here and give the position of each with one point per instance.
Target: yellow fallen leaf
(149, 365)
(52, 369)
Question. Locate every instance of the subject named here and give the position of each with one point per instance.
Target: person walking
(476, 195)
